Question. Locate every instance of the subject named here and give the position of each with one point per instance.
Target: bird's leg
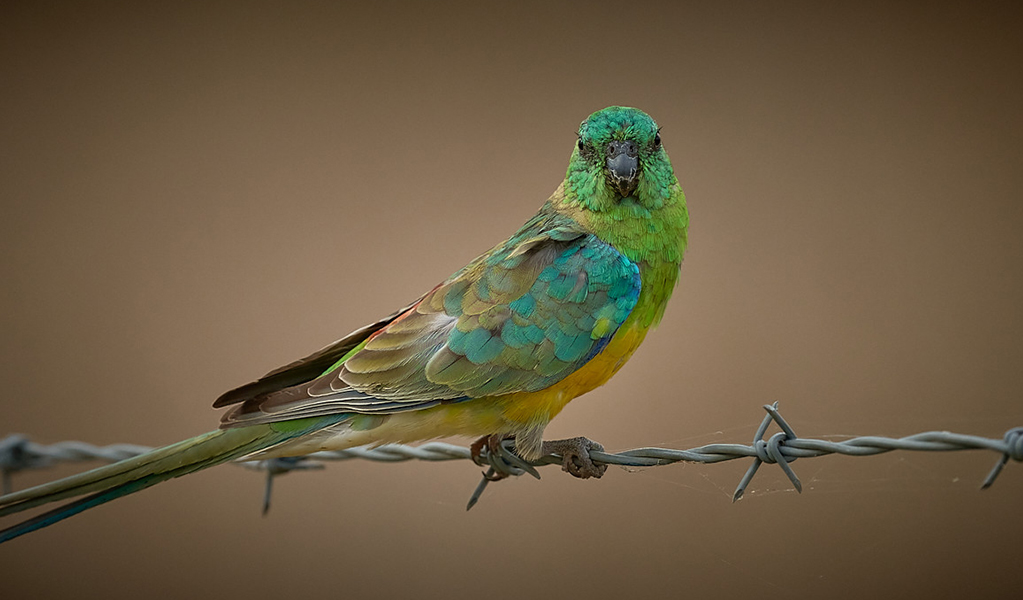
(575, 456)
(493, 444)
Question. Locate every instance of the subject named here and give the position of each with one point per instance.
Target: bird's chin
(624, 187)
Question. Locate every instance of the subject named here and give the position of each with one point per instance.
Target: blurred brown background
(193, 195)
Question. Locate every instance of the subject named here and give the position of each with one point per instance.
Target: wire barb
(502, 464)
(280, 466)
(1013, 449)
(18, 453)
(770, 452)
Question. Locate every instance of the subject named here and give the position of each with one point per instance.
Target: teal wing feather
(519, 318)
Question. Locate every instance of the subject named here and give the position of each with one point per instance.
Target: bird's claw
(493, 475)
(493, 445)
(575, 456)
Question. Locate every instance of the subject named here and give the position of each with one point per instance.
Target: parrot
(495, 352)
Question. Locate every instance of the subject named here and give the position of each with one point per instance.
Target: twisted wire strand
(18, 453)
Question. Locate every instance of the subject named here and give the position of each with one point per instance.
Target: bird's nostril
(627, 148)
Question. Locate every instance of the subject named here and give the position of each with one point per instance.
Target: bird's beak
(623, 166)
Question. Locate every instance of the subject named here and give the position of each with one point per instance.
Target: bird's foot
(495, 452)
(575, 456)
(493, 445)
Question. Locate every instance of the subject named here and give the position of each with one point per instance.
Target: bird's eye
(657, 140)
(582, 146)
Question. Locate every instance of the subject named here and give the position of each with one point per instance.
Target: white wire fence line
(18, 453)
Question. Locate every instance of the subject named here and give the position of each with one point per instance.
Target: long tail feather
(73, 508)
(128, 476)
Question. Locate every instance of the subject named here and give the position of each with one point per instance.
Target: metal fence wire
(18, 453)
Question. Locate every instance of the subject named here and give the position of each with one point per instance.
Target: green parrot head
(619, 156)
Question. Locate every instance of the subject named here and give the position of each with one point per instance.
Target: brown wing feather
(305, 369)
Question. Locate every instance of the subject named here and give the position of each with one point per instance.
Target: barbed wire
(18, 453)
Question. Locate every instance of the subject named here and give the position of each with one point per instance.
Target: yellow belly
(545, 404)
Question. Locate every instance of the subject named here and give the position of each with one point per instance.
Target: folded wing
(519, 318)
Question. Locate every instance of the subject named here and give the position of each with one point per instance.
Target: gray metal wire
(18, 453)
